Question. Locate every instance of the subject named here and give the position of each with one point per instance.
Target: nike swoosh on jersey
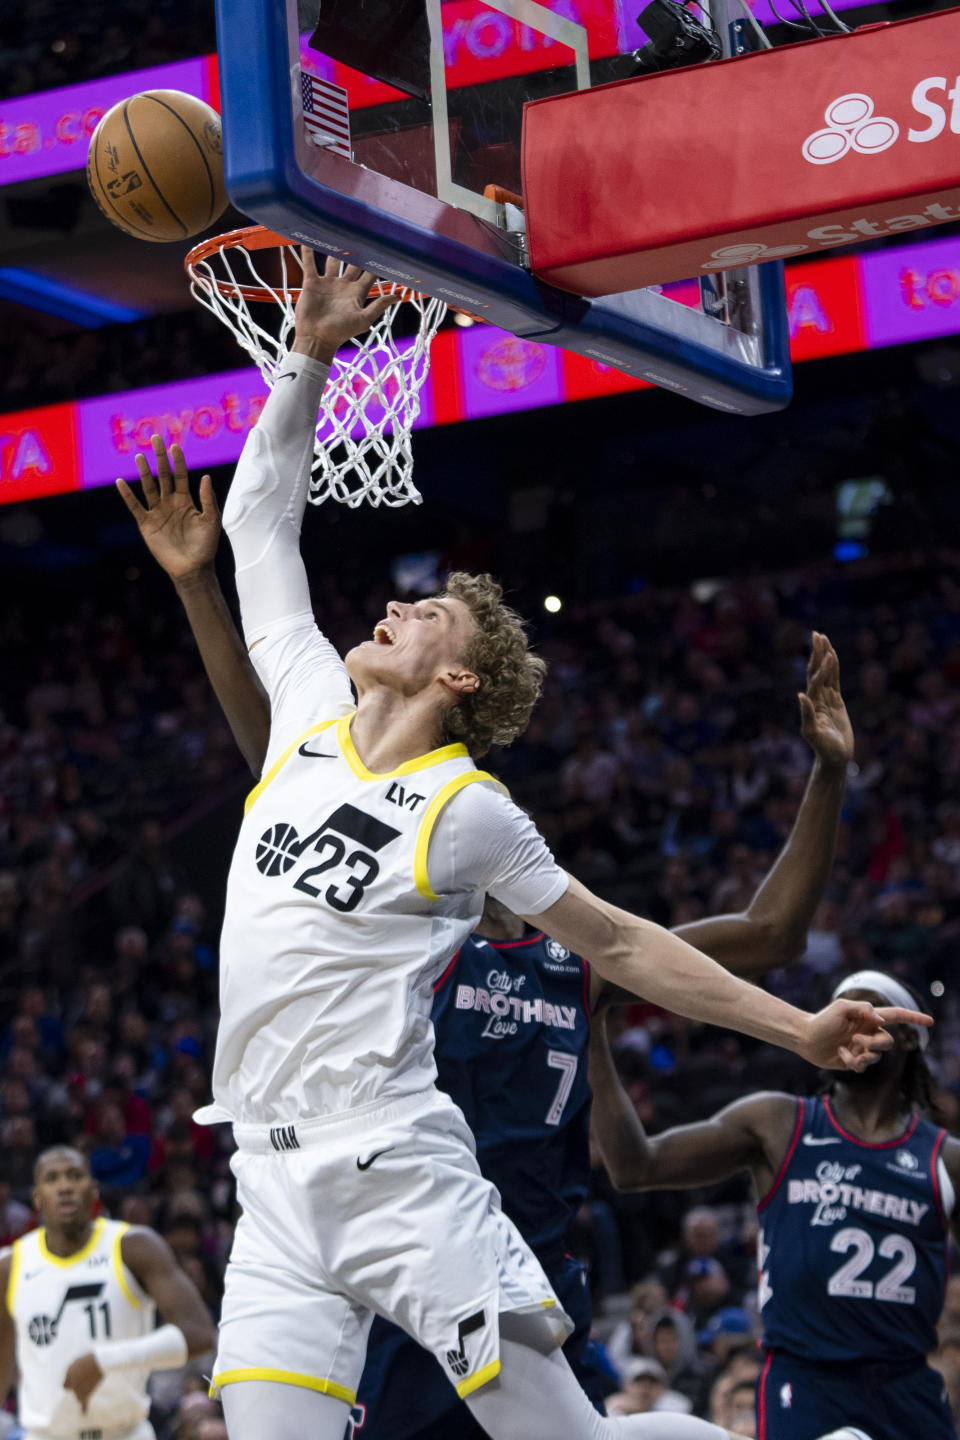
(365, 1164)
(287, 375)
(826, 1140)
(315, 754)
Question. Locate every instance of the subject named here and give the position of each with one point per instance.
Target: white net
(372, 398)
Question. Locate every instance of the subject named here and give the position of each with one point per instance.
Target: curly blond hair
(511, 678)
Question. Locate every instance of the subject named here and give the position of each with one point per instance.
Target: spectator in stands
(673, 1344)
(118, 1161)
(632, 1337)
(645, 1388)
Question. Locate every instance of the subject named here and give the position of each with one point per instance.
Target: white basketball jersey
(333, 936)
(61, 1308)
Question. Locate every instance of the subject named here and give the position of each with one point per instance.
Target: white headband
(891, 990)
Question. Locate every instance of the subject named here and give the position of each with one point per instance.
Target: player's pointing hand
(852, 1034)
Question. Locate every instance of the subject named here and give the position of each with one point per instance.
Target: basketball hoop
(372, 398)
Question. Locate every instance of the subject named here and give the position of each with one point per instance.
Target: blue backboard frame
(424, 243)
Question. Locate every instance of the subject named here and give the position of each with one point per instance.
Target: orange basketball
(155, 165)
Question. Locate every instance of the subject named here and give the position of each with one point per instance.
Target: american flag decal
(326, 114)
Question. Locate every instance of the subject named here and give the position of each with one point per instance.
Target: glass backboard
(389, 133)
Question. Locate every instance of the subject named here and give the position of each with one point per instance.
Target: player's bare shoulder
(951, 1158)
(143, 1250)
(771, 1115)
(768, 1122)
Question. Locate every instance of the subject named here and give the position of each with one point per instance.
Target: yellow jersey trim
(473, 1382)
(409, 767)
(279, 763)
(430, 817)
(13, 1279)
(63, 1262)
(116, 1260)
(284, 1377)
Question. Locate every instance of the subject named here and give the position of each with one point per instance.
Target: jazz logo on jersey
(457, 1359)
(43, 1328)
(280, 847)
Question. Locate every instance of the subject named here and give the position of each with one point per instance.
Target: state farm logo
(728, 257)
(851, 125)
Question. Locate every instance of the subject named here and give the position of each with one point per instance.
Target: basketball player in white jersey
(82, 1296)
(362, 862)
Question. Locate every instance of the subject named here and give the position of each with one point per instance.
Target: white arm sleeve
(301, 671)
(483, 840)
(163, 1349)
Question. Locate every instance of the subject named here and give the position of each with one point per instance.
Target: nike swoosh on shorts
(365, 1164)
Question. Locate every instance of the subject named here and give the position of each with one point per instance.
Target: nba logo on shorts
(786, 1396)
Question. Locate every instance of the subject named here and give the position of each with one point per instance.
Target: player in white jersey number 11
(362, 863)
(78, 1322)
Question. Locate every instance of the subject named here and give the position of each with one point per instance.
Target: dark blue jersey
(512, 1021)
(853, 1243)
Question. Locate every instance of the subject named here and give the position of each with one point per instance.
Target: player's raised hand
(852, 1034)
(825, 724)
(332, 308)
(82, 1377)
(181, 536)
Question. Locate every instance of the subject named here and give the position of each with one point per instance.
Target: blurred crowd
(37, 368)
(48, 43)
(664, 764)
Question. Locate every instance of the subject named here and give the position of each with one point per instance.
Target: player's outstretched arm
(182, 536)
(187, 1330)
(266, 503)
(772, 931)
(638, 956)
(750, 1134)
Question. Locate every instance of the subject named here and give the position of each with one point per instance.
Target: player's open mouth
(383, 635)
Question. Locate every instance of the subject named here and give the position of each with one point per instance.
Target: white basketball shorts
(380, 1210)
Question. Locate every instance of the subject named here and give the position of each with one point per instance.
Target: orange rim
(258, 237)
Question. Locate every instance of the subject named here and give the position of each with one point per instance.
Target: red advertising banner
(773, 154)
(38, 453)
(825, 308)
(835, 306)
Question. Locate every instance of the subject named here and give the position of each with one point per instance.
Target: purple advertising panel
(912, 292)
(837, 305)
(209, 418)
(49, 132)
(634, 36)
(500, 372)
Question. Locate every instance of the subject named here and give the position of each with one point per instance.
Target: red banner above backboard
(778, 153)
